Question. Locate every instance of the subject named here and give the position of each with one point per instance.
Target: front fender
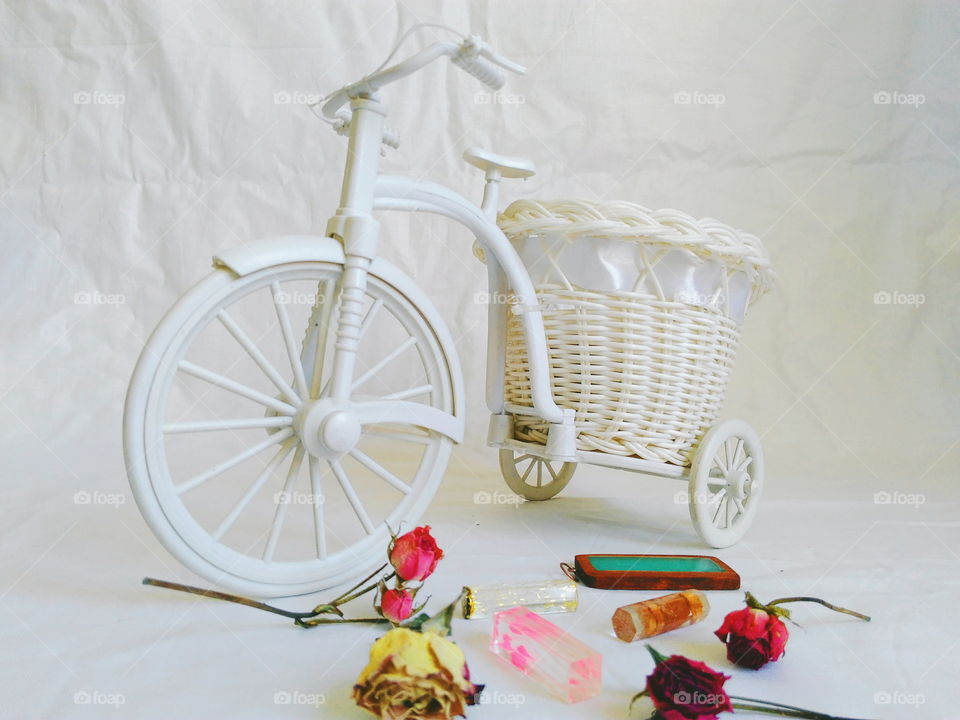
(313, 248)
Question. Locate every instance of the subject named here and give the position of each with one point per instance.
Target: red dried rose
(684, 689)
(415, 555)
(753, 637)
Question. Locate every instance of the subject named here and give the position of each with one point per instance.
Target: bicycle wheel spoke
(258, 357)
(193, 482)
(316, 342)
(351, 494)
(715, 484)
(390, 357)
(412, 392)
(280, 515)
(368, 318)
(319, 531)
(738, 453)
(401, 435)
(730, 452)
(720, 506)
(292, 355)
(526, 473)
(235, 387)
(239, 424)
(731, 512)
(375, 467)
(234, 513)
(725, 453)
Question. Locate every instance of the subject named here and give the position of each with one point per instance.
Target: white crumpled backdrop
(139, 138)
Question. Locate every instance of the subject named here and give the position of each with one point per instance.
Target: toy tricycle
(334, 392)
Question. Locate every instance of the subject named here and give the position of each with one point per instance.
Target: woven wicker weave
(645, 374)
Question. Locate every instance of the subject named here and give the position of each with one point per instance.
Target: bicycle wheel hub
(740, 485)
(327, 429)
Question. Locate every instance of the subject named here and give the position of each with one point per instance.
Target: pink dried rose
(396, 605)
(415, 554)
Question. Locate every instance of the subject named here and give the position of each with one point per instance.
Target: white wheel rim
(534, 478)
(198, 545)
(726, 483)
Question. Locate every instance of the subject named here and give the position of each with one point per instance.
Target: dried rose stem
(346, 595)
(298, 617)
(772, 708)
(345, 598)
(833, 607)
(226, 596)
(310, 622)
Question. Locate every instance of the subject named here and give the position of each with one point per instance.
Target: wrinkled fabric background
(139, 138)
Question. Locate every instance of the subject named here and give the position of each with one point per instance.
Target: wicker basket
(644, 361)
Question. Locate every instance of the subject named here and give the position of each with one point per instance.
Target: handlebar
(472, 55)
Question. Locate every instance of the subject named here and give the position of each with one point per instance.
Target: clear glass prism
(545, 653)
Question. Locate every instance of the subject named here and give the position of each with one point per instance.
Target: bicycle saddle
(509, 167)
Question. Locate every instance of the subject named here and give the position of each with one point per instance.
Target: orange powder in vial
(660, 615)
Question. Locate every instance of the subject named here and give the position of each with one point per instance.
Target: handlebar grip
(482, 69)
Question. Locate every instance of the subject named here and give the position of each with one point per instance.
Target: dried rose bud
(415, 555)
(396, 605)
(753, 637)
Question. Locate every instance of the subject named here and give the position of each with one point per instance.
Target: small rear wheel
(532, 477)
(726, 481)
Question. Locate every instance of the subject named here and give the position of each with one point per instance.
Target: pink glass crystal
(542, 651)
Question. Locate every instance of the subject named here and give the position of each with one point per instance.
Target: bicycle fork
(355, 228)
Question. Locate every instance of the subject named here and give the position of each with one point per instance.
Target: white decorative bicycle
(280, 352)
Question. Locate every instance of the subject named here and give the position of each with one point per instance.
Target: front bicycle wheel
(213, 440)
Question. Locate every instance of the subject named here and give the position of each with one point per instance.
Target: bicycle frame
(365, 190)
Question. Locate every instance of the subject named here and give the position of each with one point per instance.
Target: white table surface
(78, 626)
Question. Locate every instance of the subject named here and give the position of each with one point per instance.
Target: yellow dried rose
(413, 675)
